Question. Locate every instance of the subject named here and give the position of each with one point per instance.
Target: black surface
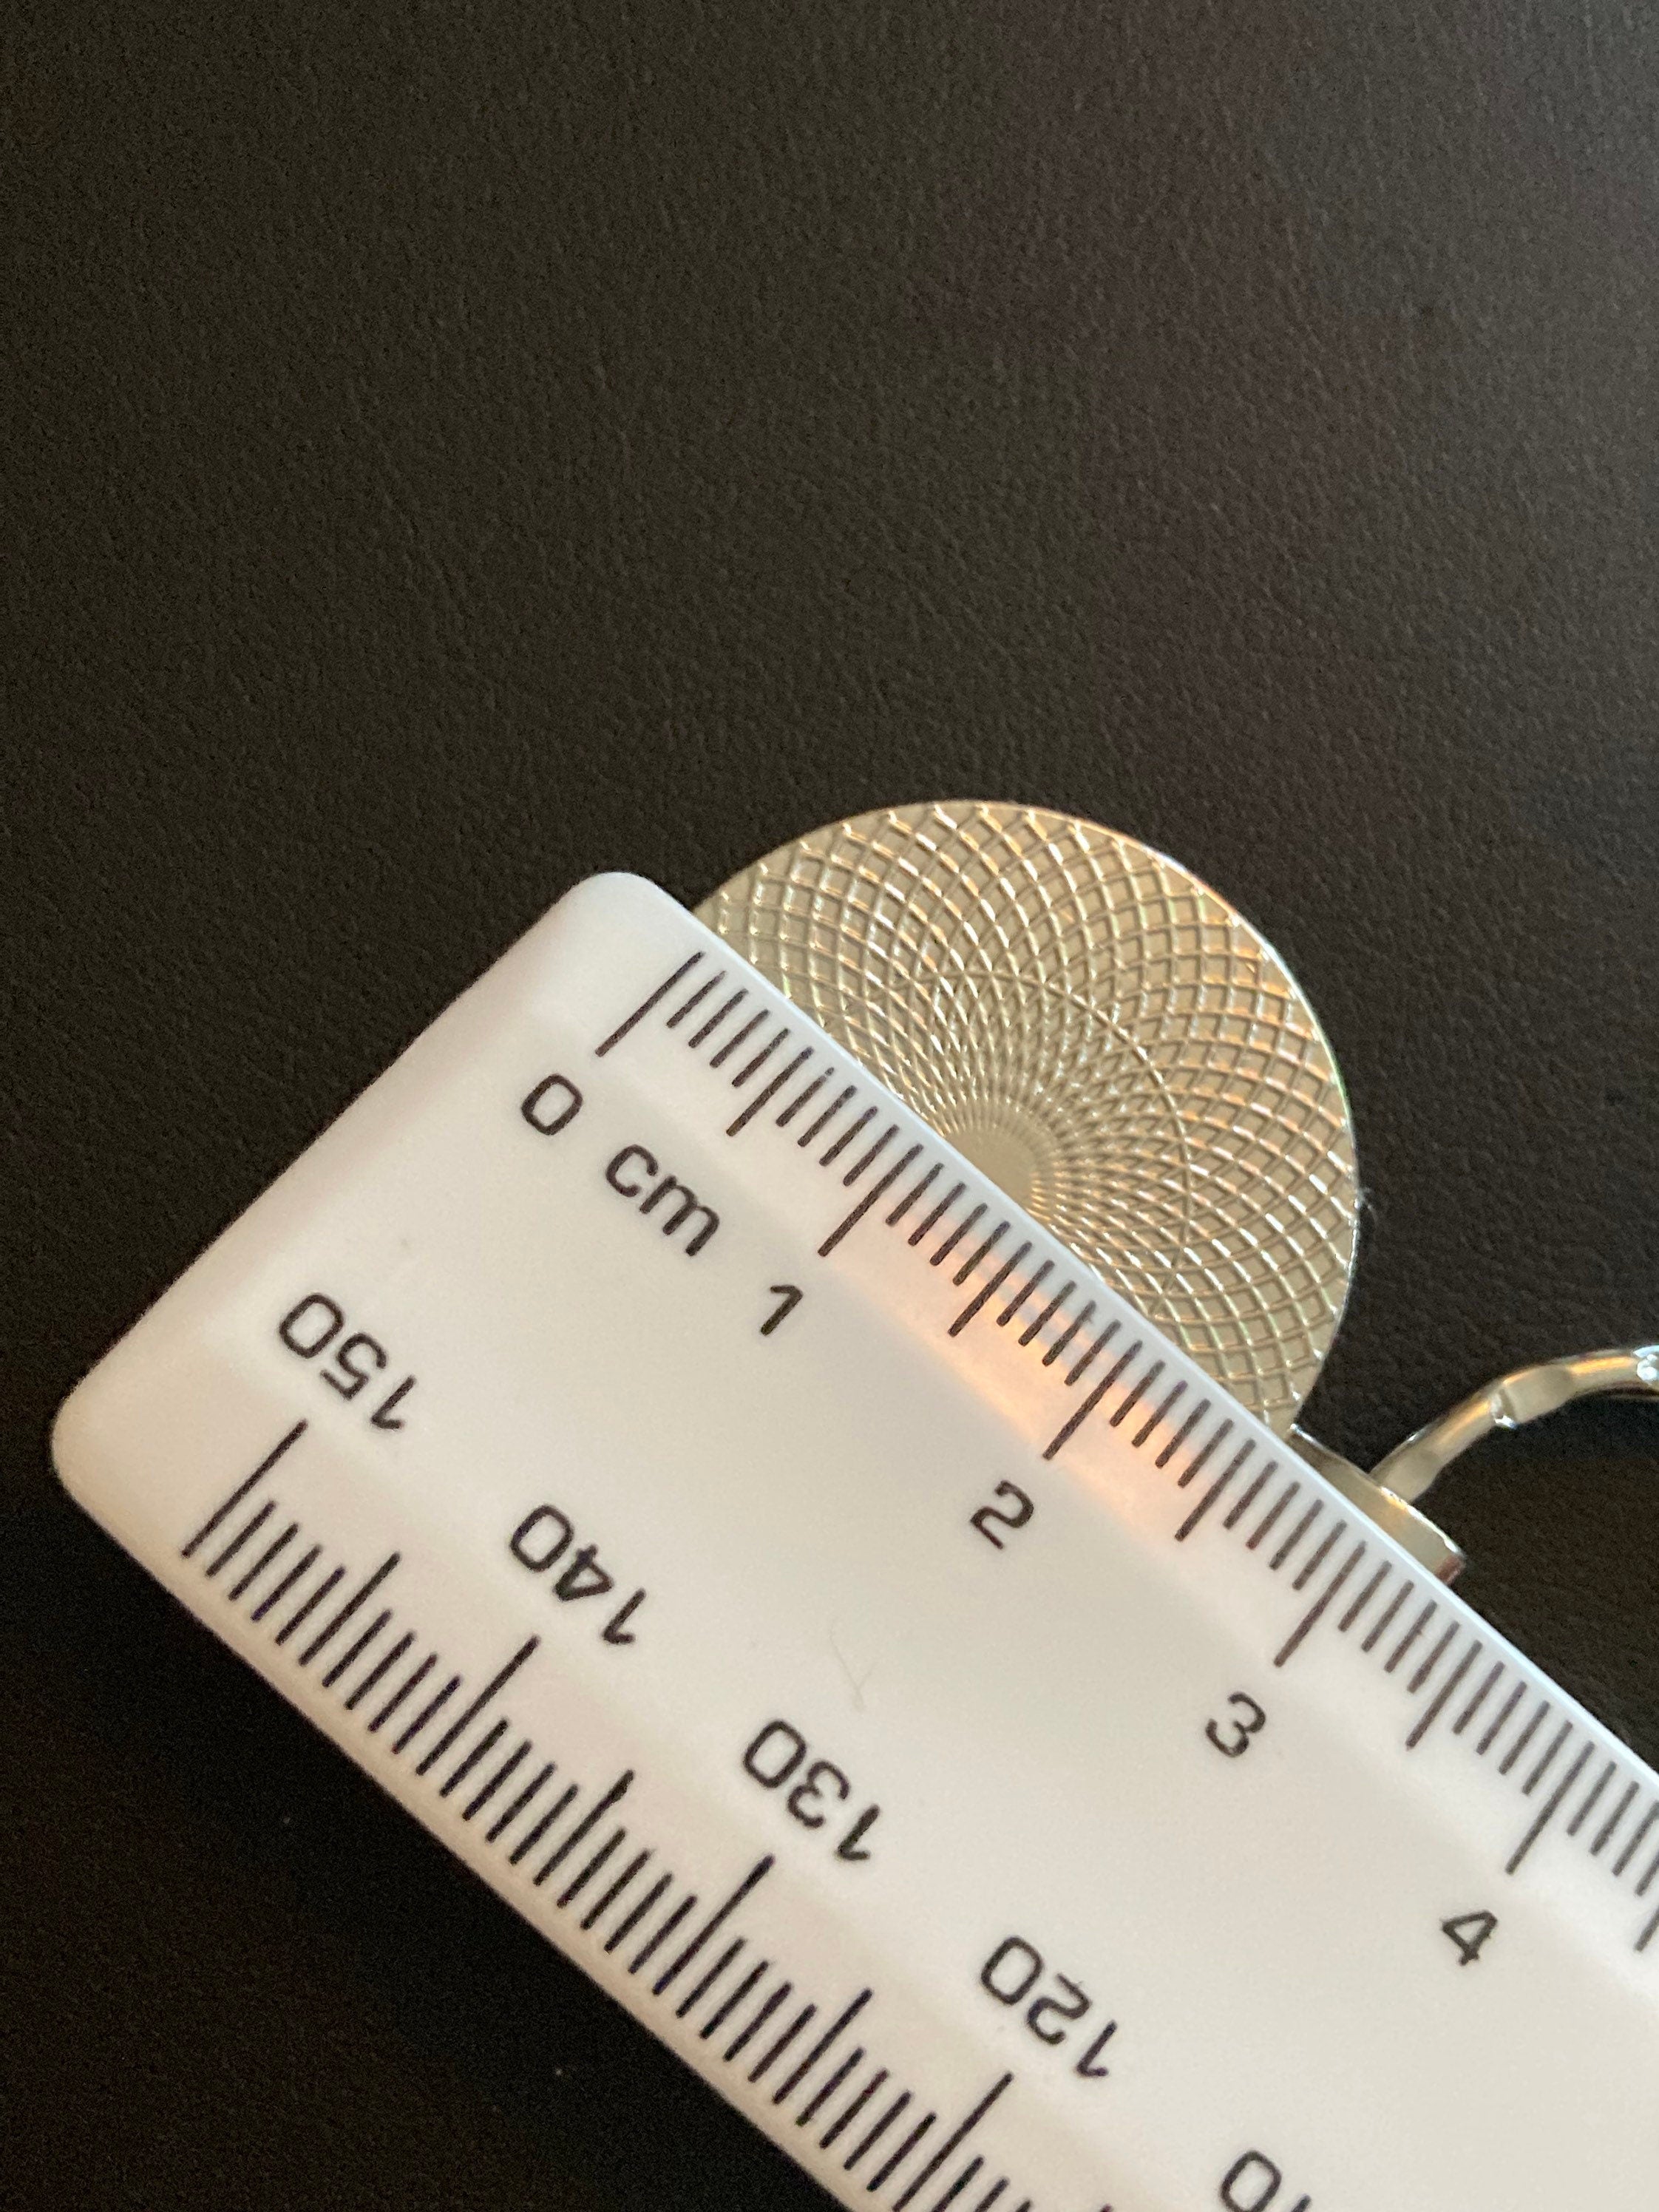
(457, 448)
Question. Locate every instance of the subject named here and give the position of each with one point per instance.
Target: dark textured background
(455, 447)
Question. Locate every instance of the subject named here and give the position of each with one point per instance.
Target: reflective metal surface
(1389, 1492)
(1414, 1531)
(1527, 1394)
(1106, 1038)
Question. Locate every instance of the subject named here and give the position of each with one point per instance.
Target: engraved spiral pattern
(1103, 1036)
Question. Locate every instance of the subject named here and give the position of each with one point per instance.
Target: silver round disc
(1108, 1040)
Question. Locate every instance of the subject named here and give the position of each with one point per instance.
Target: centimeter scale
(940, 1713)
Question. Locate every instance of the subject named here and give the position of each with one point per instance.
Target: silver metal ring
(1526, 1393)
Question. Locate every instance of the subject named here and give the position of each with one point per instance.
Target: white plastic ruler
(868, 1649)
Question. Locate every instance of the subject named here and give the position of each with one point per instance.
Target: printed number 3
(1237, 1740)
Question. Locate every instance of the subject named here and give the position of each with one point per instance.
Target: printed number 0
(1236, 1741)
(990, 1518)
(1263, 2179)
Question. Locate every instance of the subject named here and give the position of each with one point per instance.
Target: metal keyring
(1120, 1051)
(1103, 1035)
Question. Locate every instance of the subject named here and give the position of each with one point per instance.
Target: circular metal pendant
(1108, 1040)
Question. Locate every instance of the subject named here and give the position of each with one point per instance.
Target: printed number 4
(1471, 1932)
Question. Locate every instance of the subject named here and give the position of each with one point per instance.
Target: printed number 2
(990, 1519)
(1237, 1740)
